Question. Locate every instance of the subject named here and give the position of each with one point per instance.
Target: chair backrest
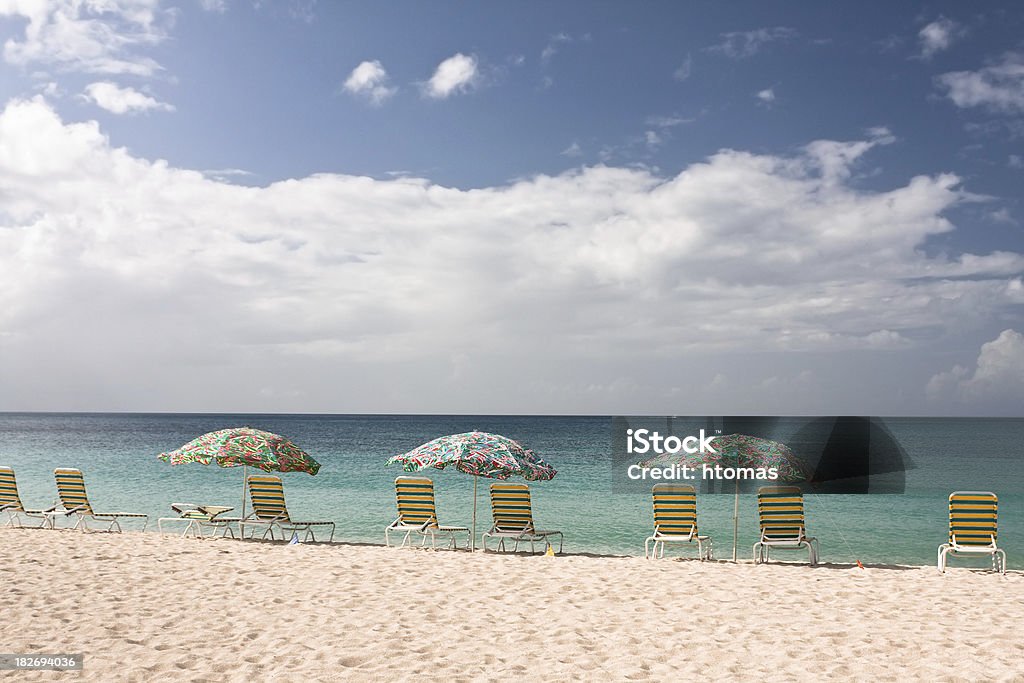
(9, 490)
(675, 510)
(71, 489)
(510, 506)
(267, 494)
(973, 518)
(781, 513)
(415, 498)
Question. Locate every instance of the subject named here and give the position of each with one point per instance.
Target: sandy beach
(147, 607)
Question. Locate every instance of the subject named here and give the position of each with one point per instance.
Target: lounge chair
(781, 513)
(675, 520)
(270, 511)
(75, 501)
(199, 517)
(418, 514)
(513, 518)
(10, 501)
(973, 527)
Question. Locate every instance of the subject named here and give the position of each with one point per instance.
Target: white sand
(144, 607)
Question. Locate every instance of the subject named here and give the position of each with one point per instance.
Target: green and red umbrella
(244, 447)
(480, 454)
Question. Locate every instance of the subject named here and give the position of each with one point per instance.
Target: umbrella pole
(245, 479)
(473, 542)
(735, 519)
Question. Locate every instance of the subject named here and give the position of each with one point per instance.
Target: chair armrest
(251, 517)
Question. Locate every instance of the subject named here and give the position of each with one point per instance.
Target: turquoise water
(117, 453)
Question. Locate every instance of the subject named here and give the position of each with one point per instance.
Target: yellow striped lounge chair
(675, 520)
(513, 518)
(781, 513)
(10, 501)
(75, 501)
(270, 511)
(973, 528)
(417, 513)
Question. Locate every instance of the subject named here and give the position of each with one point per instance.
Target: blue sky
(600, 207)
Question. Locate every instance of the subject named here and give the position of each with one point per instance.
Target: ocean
(117, 453)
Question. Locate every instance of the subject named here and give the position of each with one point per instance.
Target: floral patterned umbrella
(480, 454)
(740, 450)
(244, 447)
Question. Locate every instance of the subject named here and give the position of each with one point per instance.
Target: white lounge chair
(199, 517)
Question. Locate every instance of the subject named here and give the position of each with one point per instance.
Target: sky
(680, 208)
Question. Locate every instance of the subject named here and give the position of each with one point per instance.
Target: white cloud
(454, 75)
(937, 36)
(551, 49)
(742, 44)
(996, 382)
(601, 276)
(50, 89)
(118, 100)
(98, 36)
(652, 139)
(1001, 216)
(302, 10)
(370, 80)
(556, 41)
(684, 70)
(881, 133)
(766, 96)
(217, 6)
(1015, 161)
(667, 121)
(999, 87)
(226, 174)
(572, 150)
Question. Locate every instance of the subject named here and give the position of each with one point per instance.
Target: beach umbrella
(244, 447)
(739, 450)
(479, 454)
